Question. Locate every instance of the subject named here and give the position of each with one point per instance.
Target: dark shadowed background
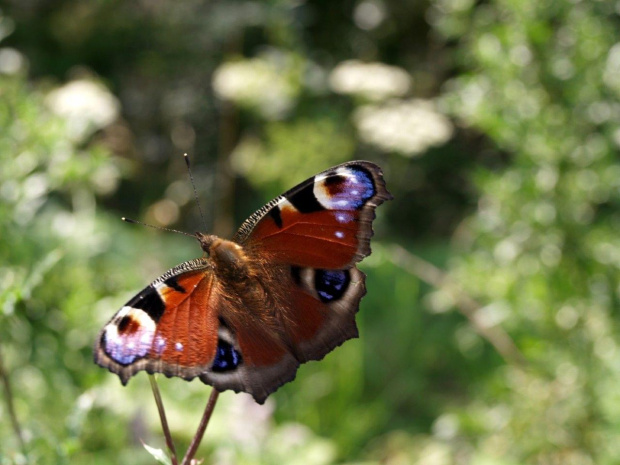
(489, 334)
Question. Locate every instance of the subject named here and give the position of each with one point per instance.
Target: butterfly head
(206, 241)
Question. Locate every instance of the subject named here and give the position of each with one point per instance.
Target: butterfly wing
(324, 222)
(304, 315)
(320, 309)
(159, 330)
(314, 234)
(302, 248)
(177, 326)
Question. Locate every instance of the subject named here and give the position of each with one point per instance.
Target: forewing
(325, 222)
(170, 327)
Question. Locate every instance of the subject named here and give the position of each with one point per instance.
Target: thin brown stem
(438, 278)
(10, 406)
(206, 416)
(164, 421)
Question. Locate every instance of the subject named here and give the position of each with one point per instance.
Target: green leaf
(158, 454)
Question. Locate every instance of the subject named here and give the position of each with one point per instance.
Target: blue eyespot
(350, 190)
(362, 186)
(331, 285)
(226, 357)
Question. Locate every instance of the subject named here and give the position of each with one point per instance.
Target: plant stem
(438, 278)
(10, 406)
(201, 428)
(164, 422)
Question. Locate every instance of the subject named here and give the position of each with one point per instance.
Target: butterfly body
(284, 291)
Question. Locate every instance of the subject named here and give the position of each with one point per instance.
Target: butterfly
(283, 291)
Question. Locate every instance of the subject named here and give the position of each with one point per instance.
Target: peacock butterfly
(283, 291)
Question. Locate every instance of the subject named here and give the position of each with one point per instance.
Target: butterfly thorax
(242, 280)
(229, 259)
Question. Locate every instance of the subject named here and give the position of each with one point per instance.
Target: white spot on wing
(343, 218)
(160, 344)
(178, 346)
(339, 234)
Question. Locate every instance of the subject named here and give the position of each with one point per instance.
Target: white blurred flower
(296, 444)
(106, 178)
(86, 105)
(257, 83)
(374, 81)
(369, 14)
(240, 424)
(446, 426)
(409, 127)
(11, 61)
(435, 453)
(611, 73)
(248, 422)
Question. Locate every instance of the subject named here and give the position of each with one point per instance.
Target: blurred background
(490, 331)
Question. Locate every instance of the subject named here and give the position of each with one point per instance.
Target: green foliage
(38, 163)
(59, 277)
(544, 245)
(291, 150)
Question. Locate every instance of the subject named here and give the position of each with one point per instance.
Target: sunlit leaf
(158, 455)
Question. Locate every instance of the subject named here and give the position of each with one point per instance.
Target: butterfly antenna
(191, 178)
(161, 228)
